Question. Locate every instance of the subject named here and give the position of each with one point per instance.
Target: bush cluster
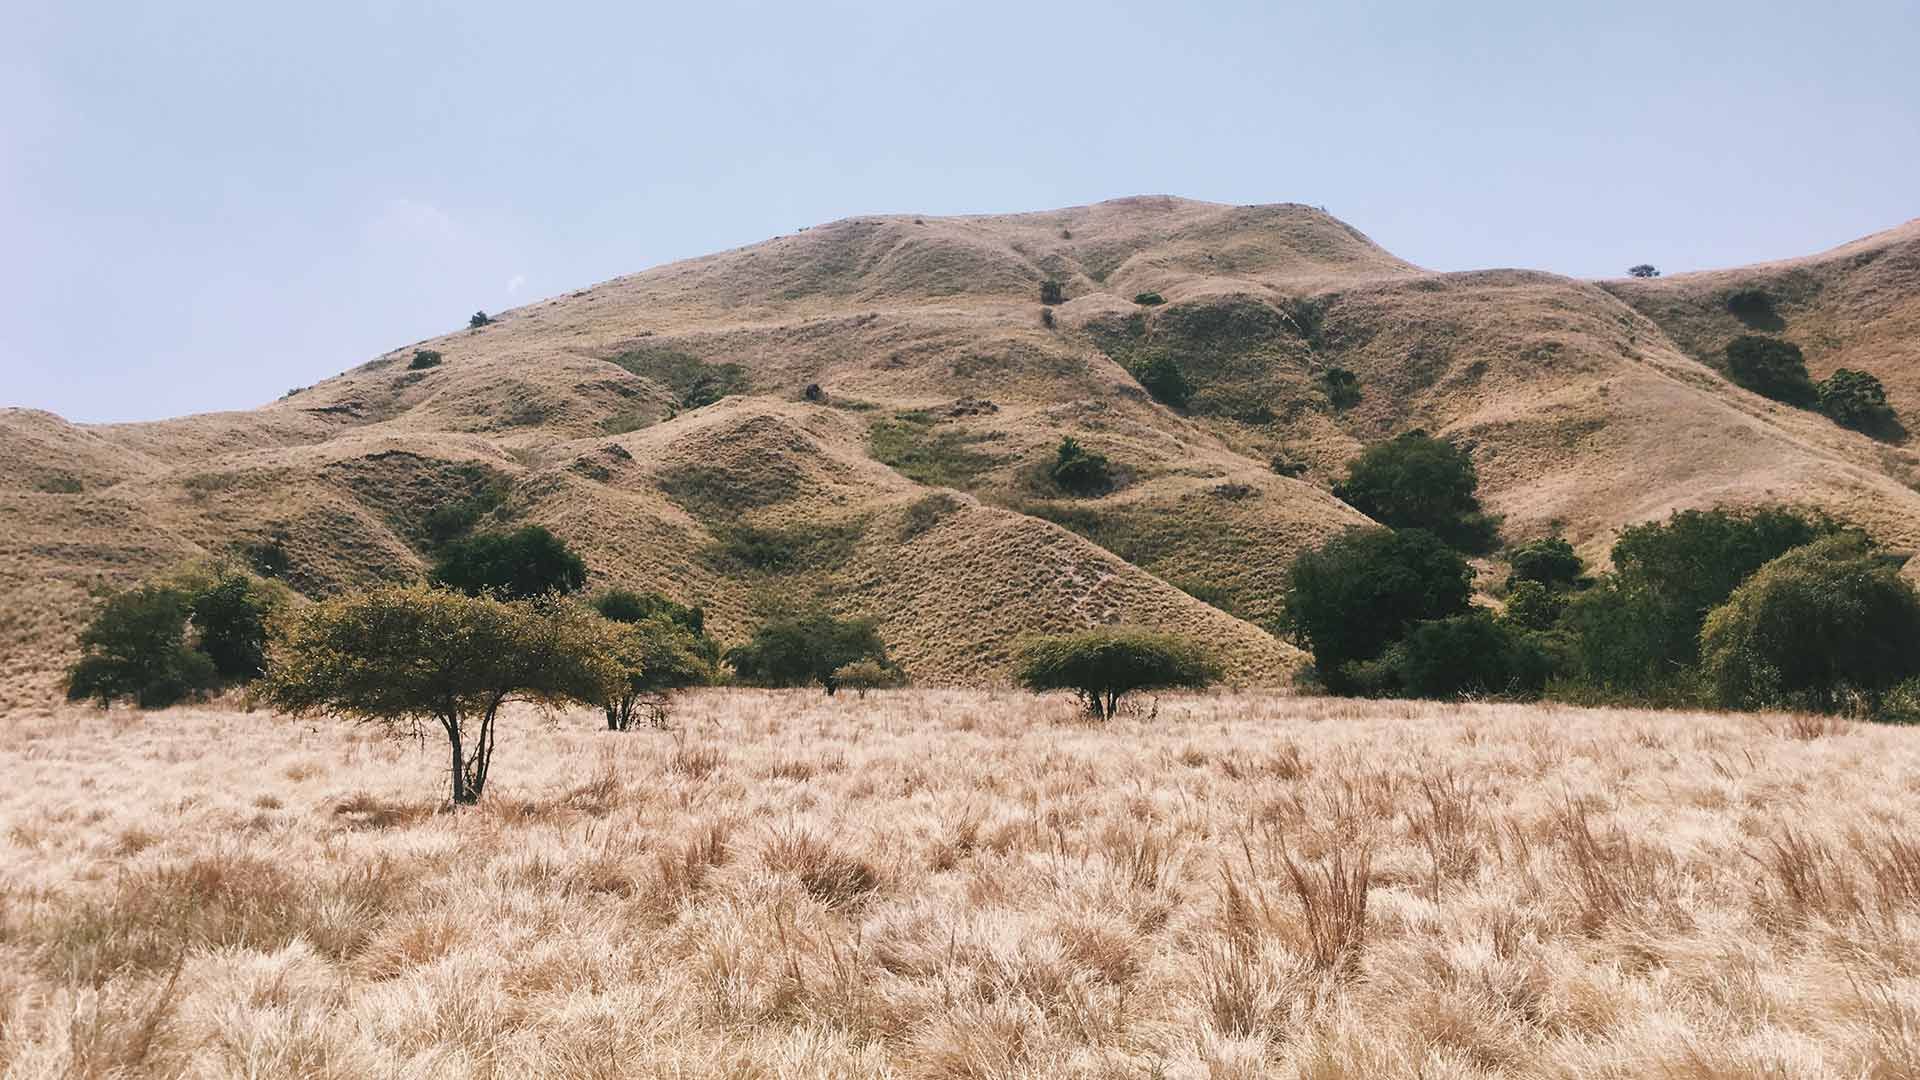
(1079, 470)
(176, 639)
(1415, 481)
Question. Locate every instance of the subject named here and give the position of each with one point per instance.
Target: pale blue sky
(204, 204)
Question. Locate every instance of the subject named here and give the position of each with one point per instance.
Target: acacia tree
(1106, 663)
(406, 659)
(657, 656)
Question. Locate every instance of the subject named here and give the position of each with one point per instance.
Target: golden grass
(966, 884)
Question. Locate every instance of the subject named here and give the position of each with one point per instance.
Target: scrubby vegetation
(1643, 270)
(1148, 299)
(424, 359)
(1855, 399)
(1341, 386)
(1104, 665)
(1052, 292)
(1079, 470)
(525, 563)
(807, 649)
(175, 639)
(693, 381)
(406, 657)
(1353, 597)
(1416, 481)
(478, 320)
(1771, 368)
(918, 446)
(1162, 378)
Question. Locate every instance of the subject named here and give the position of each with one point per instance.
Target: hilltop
(876, 399)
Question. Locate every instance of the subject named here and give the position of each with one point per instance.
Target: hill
(874, 401)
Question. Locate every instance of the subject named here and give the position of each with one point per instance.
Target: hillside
(1587, 407)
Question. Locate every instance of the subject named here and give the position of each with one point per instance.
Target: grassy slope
(1584, 411)
(954, 884)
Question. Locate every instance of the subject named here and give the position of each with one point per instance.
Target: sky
(203, 205)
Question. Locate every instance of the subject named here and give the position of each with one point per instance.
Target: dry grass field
(966, 884)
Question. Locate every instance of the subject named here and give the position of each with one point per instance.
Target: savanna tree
(1105, 664)
(411, 659)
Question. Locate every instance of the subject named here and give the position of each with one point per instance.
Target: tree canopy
(525, 563)
(1356, 594)
(805, 649)
(1824, 626)
(407, 659)
(1104, 664)
(1415, 481)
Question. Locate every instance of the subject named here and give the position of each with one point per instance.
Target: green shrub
(1751, 305)
(1826, 626)
(478, 320)
(656, 654)
(1103, 665)
(424, 359)
(1531, 605)
(1551, 561)
(518, 565)
(1415, 481)
(694, 382)
(1771, 368)
(1685, 566)
(805, 649)
(135, 647)
(627, 606)
(1625, 642)
(1079, 470)
(1148, 299)
(864, 675)
(1052, 292)
(408, 660)
(1644, 270)
(268, 558)
(1162, 378)
(1358, 593)
(1854, 399)
(1471, 655)
(229, 612)
(1046, 317)
(1341, 386)
(59, 484)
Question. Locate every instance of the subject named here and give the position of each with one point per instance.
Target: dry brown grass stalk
(953, 884)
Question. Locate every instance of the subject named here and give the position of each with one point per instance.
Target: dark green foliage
(805, 649)
(1644, 270)
(1341, 386)
(1162, 378)
(1418, 482)
(230, 624)
(1471, 655)
(627, 606)
(1855, 399)
(1046, 317)
(1752, 306)
(1827, 626)
(1771, 368)
(1148, 299)
(1350, 598)
(1551, 561)
(1079, 470)
(135, 647)
(694, 382)
(916, 447)
(525, 563)
(779, 549)
(1626, 641)
(202, 628)
(478, 320)
(486, 493)
(1690, 563)
(1052, 292)
(1105, 664)
(423, 359)
(1531, 605)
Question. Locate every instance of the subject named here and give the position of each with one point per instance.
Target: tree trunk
(461, 796)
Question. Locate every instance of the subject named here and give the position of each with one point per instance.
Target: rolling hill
(873, 401)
